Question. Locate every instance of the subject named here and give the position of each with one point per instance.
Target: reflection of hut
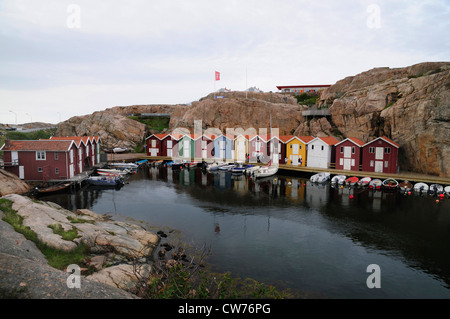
(317, 195)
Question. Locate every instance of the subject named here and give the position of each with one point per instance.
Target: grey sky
(63, 58)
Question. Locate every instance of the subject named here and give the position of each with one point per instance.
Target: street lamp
(15, 115)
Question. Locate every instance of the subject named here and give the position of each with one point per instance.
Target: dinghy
(265, 171)
(390, 184)
(436, 189)
(364, 181)
(406, 186)
(351, 181)
(338, 179)
(421, 188)
(320, 177)
(447, 190)
(375, 183)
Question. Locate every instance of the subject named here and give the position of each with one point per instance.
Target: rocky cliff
(409, 105)
(238, 110)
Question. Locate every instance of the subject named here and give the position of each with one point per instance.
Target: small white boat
(339, 179)
(447, 190)
(265, 171)
(375, 183)
(250, 170)
(365, 181)
(214, 166)
(226, 167)
(436, 189)
(112, 172)
(320, 177)
(119, 150)
(421, 188)
(124, 165)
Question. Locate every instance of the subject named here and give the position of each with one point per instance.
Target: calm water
(286, 231)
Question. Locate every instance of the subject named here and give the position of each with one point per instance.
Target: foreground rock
(11, 184)
(121, 244)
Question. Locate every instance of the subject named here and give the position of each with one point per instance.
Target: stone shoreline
(25, 273)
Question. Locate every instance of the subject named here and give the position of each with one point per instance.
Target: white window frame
(41, 156)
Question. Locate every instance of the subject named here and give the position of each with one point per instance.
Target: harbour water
(286, 231)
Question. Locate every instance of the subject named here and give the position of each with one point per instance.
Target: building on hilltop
(301, 88)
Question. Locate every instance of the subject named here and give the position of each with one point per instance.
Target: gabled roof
(329, 140)
(354, 140)
(41, 145)
(159, 136)
(288, 138)
(388, 140)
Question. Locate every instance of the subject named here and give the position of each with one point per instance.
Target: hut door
(347, 163)
(378, 166)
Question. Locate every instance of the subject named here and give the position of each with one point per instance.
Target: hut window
(56, 156)
(371, 149)
(387, 150)
(312, 146)
(40, 170)
(57, 170)
(371, 163)
(40, 156)
(353, 150)
(386, 163)
(322, 147)
(342, 149)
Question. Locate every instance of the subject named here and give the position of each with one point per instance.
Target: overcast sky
(63, 58)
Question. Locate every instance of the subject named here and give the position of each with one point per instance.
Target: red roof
(355, 140)
(41, 145)
(330, 140)
(279, 87)
(388, 140)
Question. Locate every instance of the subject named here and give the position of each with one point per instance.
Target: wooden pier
(402, 176)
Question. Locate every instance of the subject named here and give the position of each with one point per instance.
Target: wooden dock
(402, 176)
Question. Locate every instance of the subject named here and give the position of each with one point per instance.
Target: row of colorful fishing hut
(377, 155)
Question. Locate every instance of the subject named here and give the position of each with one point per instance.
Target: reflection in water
(312, 237)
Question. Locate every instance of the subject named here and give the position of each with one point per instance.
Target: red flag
(217, 76)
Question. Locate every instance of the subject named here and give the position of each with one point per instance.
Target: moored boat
(320, 177)
(447, 190)
(53, 189)
(390, 184)
(375, 183)
(226, 167)
(105, 180)
(239, 168)
(250, 170)
(214, 166)
(338, 179)
(112, 172)
(365, 181)
(436, 189)
(265, 171)
(351, 181)
(421, 188)
(406, 186)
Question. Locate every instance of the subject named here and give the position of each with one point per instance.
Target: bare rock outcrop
(114, 130)
(11, 184)
(409, 105)
(236, 110)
